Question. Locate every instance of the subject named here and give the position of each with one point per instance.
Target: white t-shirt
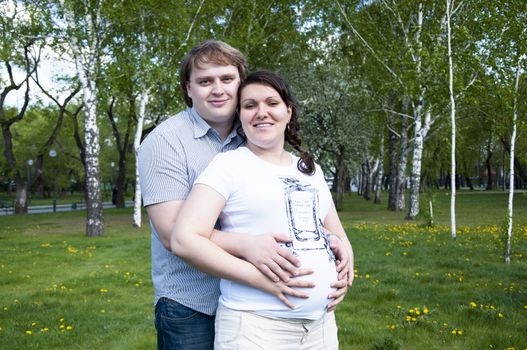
(262, 197)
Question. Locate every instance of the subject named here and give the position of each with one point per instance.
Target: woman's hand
(282, 289)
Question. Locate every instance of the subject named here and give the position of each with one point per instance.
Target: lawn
(415, 287)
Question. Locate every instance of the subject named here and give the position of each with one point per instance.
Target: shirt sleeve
(163, 170)
(218, 176)
(324, 191)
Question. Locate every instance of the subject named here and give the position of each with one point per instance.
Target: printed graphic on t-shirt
(305, 225)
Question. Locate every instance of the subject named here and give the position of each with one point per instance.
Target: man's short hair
(210, 51)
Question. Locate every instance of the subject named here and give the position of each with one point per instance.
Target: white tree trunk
(143, 99)
(403, 159)
(380, 172)
(86, 66)
(511, 165)
(421, 129)
(95, 220)
(452, 121)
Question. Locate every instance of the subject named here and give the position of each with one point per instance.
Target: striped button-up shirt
(170, 159)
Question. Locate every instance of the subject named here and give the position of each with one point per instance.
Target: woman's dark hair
(306, 163)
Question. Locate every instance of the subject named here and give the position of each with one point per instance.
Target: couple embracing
(248, 251)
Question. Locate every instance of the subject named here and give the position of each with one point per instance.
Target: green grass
(52, 277)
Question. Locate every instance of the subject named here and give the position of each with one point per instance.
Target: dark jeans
(181, 328)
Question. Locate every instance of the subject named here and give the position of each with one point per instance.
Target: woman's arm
(191, 241)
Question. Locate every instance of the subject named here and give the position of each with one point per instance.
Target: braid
(306, 163)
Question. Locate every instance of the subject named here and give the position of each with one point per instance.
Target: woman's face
(264, 116)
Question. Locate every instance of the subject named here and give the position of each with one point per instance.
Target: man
(170, 159)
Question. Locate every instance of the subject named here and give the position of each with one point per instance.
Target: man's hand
(344, 268)
(341, 288)
(274, 261)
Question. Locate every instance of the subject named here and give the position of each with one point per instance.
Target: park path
(42, 209)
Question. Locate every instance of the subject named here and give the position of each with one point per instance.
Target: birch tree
(506, 40)
(511, 161)
(85, 30)
(449, 13)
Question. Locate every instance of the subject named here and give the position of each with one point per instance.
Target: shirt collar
(201, 128)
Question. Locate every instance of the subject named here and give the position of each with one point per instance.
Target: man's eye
(204, 82)
(228, 79)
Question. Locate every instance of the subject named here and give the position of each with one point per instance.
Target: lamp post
(29, 166)
(113, 187)
(112, 173)
(52, 155)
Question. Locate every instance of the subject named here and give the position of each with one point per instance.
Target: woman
(264, 188)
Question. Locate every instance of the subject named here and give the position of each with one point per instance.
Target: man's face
(213, 89)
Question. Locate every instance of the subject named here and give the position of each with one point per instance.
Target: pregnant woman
(264, 188)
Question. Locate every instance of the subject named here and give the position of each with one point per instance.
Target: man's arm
(163, 217)
(262, 251)
(343, 250)
(191, 241)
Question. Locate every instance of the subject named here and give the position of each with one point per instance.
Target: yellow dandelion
(408, 318)
(500, 315)
(414, 319)
(33, 324)
(367, 276)
(473, 304)
(69, 328)
(459, 332)
(411, 311)
(426, 310)
(45, 329)
(103, 290)
(454, 331)
(62, 326)
(103, 311)
(28, 332)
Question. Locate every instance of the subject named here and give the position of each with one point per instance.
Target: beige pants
(244, 330)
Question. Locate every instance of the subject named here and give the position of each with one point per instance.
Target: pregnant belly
(324, 274)
(241, 297)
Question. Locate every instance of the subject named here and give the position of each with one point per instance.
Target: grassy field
(415, 287)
